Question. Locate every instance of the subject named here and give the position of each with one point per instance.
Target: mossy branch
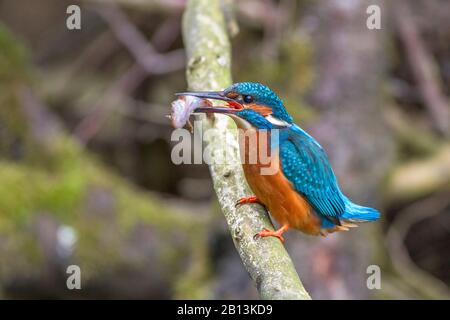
(208, 68)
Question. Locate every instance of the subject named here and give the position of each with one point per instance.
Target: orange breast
(275, 191)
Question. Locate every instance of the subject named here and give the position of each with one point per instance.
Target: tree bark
(208, 68)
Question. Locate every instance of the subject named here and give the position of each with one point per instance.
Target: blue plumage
(263, 96)
(304, 162)
(306, 165)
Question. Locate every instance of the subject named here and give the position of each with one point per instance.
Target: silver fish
(183, 107)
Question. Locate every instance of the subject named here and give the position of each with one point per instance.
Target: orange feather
(262, 110)
(275, 191)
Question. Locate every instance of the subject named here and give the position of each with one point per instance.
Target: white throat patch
(276, 121)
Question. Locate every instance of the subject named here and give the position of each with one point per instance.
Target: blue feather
(303, 161)
(355, 212)
(263, 96)
(306, 165)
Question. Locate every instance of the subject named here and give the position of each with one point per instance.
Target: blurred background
(85, 171)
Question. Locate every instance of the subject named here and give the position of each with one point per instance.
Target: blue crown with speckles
(262, 95)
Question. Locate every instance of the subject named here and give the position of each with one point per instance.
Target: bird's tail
(356, 213)
(353, 215)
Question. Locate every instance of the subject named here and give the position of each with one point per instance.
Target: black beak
(213, 95)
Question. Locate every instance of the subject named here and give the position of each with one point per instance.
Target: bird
(303, 193)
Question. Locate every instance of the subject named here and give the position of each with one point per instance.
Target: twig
(42, 124)
(93, 54)
(148, 62)
(144, 53)
(124, 85)
(167, 33)
(147, 5)
(208, 56)
(424, 282)
(420, 177)
(423, 68)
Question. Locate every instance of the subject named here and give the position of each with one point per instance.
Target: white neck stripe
(276, 121)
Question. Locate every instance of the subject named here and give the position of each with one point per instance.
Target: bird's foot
(245, 200)
(269, 233)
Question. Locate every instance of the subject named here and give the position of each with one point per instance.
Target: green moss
(60, 190)
(194, 284)
(13, 58)
(56, 178)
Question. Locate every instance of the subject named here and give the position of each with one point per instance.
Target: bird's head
(252, 102)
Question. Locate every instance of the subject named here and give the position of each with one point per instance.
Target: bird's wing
(306, 165)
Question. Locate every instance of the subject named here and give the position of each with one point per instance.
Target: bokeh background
(85, 171)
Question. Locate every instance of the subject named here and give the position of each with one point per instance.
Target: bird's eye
(247, 99)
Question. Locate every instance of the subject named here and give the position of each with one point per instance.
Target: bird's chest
(262, 169)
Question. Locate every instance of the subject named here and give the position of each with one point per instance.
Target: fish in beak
(231, 105)
(194, 102)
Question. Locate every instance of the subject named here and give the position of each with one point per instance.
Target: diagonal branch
(208, 57)
(148, 62)
(423, 68)
(144, 53)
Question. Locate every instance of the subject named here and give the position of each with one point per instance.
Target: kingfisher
(303, 193)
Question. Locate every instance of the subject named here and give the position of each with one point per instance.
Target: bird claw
(280, 237)
(241, 201)
(268, 233)
(260, 234)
